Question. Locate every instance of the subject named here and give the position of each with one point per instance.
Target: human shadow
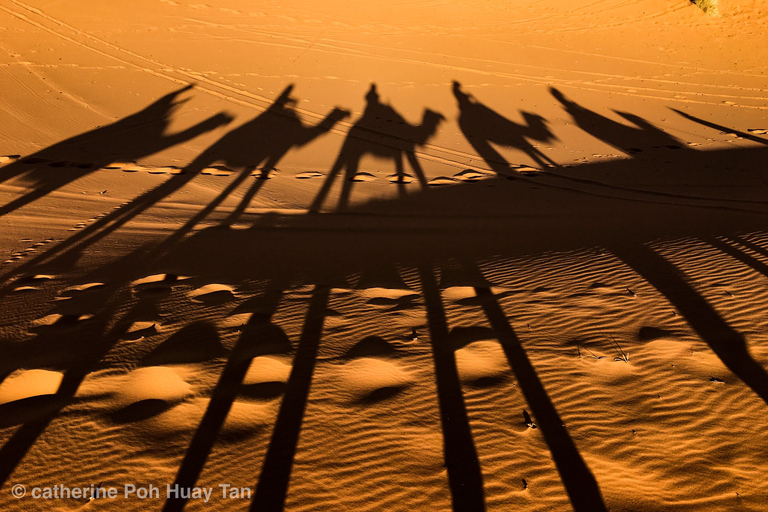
(135, 136)
(483, 126)
(381, 131)
(631, 140)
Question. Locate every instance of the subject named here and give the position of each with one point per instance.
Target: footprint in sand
(400, 178)
(470, 175)
(31, 282)
(369, 375)
(363, 176)
(441, 181)
(309, 175)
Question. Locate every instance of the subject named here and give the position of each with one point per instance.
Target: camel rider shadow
(261, 143)
(631, 139)
(381, 131)
(482, 126)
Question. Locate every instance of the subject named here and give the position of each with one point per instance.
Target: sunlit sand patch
(528, 171)
(482, 361)
(159, 279)
(140, 330)
(74, 291)
(309, 175)
(8, 158)
(23, 384)
(265, 174)
(267, 369)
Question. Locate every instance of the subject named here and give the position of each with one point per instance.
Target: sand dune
(439, 255)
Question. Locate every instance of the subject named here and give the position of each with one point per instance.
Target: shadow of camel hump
(133, 137)
(381, 132)
(482, 126)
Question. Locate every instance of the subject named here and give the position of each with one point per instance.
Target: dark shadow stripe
(272, 487)
(464, 476)
(578, 480)
(728, 344)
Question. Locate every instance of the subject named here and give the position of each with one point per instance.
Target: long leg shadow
(267, 137)
(140, 134)
(100, 342)
(579, 482)
(272, 487)
(464, 476)
(728, 344)
(737, 254)
(258, 331)
(750, 245)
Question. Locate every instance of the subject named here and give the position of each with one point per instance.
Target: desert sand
(384, 256)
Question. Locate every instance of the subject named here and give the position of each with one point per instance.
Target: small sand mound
(372, 379)
(469, 175)
(152, 383)
(371, 346)
(193, 343)
(23, 384)
(482, 361)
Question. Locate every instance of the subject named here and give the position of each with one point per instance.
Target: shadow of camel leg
(346, 185)
(417, 170)
(578, 480)
(317, 203)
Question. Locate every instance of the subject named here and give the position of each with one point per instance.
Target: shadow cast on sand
(618, 205)
(381, 131)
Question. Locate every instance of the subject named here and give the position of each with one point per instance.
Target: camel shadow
(482, 126)
(136, 136)
(381, 132)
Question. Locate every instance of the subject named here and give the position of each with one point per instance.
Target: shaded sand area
(438, 255)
